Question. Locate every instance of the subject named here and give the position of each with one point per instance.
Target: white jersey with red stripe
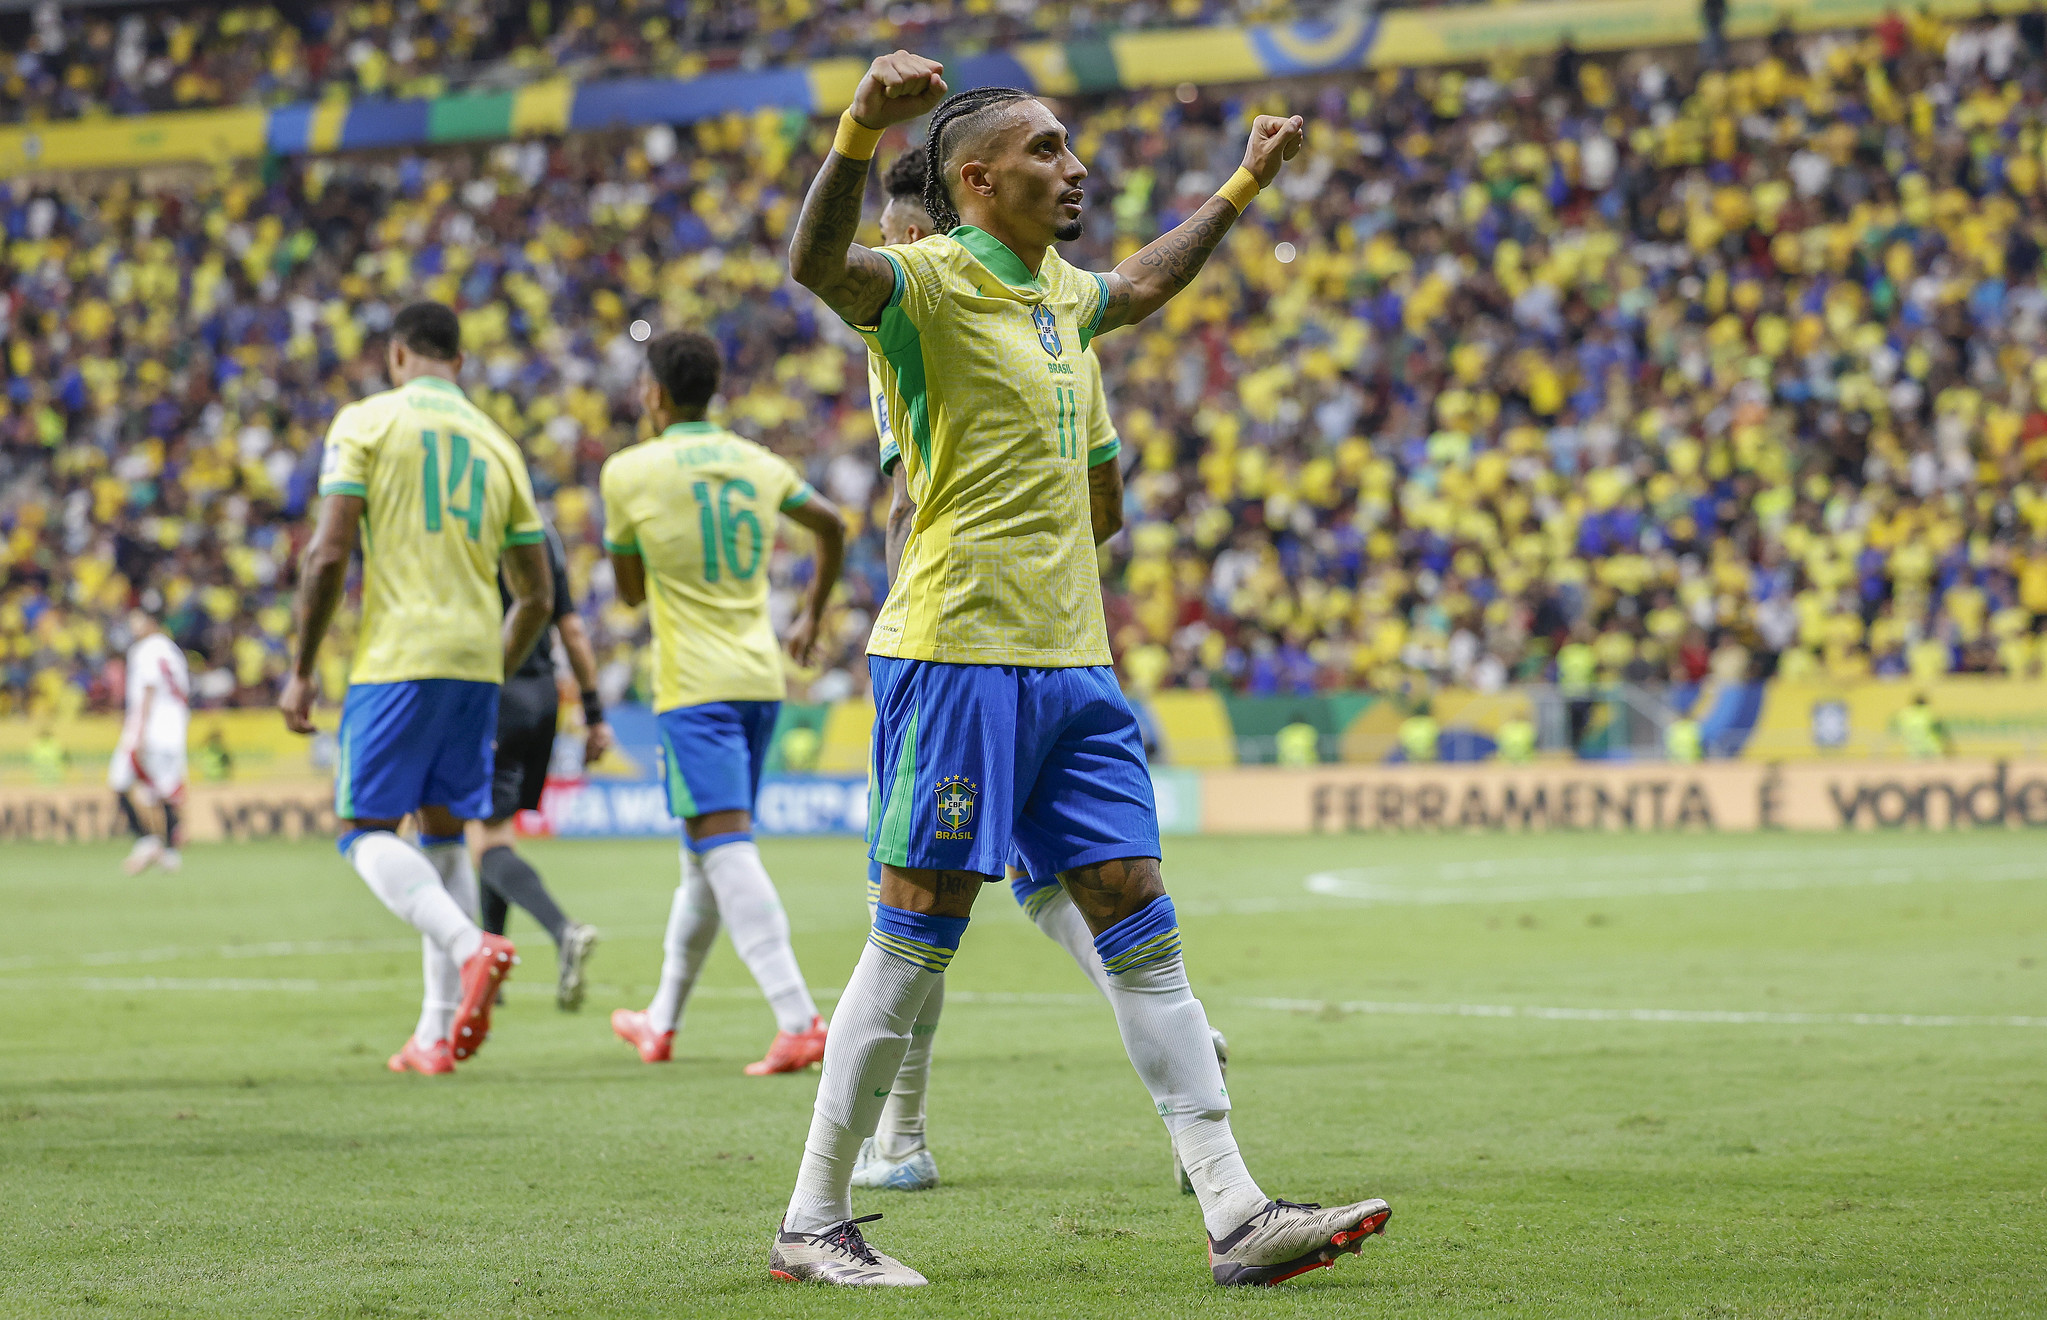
(158, 677)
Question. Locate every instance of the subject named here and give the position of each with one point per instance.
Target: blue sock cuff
(438, 840)
(1147, 936)
(1032, 894)
(922, 941)
(710, 841)
(347, 840)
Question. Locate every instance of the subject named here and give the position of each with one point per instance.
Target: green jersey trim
(903, 346)
(895, 295)
(1104, 453)
(525, 538)
(689, 428)
(994, 254)
(438, 383)
(344, 488)
(623, 547)
(890, 456)
(1094, 325)
(799, 497)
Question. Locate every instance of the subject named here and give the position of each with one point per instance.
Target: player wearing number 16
(689, 521)
(438, 497)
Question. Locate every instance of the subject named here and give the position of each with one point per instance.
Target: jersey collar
(994, 254)
(689, 428)
(438, 383)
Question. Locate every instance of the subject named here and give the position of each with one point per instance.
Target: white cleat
(916, 1173)
(146, 851)
(578, 942)
(838, 1255)
(171, 861)
(1222, 1061)
(1288, 1238)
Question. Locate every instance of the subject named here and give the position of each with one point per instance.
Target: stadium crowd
(1590, 369)
(83, 60)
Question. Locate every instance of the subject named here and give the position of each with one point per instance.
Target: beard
(1069, 231)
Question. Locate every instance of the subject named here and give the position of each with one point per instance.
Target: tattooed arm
(855, 281)
(1145, 282)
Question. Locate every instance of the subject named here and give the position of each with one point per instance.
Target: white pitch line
(1012, 999)
(175, 953)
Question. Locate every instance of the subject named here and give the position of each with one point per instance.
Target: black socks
(507, 877)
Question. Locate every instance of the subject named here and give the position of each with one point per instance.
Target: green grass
(188, 1132)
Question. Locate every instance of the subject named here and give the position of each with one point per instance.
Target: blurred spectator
(1298, 744)
(1419, 734)
(1657, 374)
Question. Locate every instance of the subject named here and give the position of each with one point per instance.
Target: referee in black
(529, 704)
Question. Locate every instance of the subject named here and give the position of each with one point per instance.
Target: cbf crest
(1048, 329)
(957, 796)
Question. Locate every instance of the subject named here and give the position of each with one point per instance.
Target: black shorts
(527, 711)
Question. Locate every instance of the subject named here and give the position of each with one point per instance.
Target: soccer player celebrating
(896, 1156)
(441, 498)
(689, 520)
(529, 706)
(998, 718)
(149, 759)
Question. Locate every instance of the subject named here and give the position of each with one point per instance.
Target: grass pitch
(1843, 1116)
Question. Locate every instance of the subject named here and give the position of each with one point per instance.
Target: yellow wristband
(856, 141)
(1239, 191)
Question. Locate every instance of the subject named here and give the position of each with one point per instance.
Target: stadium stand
(1590, 369)
(84, 61)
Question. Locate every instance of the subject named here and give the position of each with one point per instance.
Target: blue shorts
(977, 765)
(714, 754)
(425, 742)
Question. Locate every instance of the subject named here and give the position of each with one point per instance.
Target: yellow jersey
(445, 492)
(698, 505)
(994, 403)
(1103, 442)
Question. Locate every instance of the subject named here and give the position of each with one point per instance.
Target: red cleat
(481, 976)
(429, 1060)
(631, 1026)
(792, 1051)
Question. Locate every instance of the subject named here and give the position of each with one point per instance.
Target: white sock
(410, 885)
(443, 975)
(457, 871)
(1064, 926)
(870, 1034)
(1165, 1032)
(901, 1133)
(692, 926)
(1208, 1152)
(760, 930)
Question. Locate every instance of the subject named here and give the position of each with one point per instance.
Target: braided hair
(904, 177)
(937, 196)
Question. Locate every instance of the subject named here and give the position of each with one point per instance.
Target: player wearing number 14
(439, 498)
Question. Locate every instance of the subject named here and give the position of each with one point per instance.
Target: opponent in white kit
(149, 761)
